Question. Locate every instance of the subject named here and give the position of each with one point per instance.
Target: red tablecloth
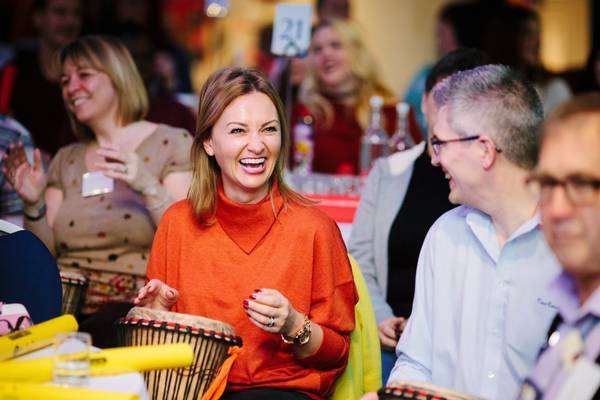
(340, 208)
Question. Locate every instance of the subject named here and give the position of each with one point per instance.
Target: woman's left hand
(272, 312)
(119, 165)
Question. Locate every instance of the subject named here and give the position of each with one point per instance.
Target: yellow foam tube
(27, 391)
(35, 337)
(142, 358)
(114, 361)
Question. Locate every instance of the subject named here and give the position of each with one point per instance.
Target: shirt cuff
(333, 352)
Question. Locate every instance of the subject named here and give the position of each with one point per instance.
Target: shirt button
(491, 375)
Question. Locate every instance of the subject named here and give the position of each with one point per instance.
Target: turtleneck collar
(247, 224)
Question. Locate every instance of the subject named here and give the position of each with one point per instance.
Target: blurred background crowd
(177, 43)
(391, 46)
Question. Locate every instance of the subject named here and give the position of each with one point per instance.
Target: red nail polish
(253, 296)
(245, 303)
(256, 290)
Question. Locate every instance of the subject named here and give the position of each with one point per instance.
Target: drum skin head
(73, 278)
(183, 319)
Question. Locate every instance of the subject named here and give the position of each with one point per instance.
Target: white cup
(72, 358)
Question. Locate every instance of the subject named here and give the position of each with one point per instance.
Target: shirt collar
(484, 230)
(247, 224)
(563, 294)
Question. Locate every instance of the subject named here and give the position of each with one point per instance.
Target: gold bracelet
(302, 336)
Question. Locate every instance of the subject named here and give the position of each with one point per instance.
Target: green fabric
(363, 373)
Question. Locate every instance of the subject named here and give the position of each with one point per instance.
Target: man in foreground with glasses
(567, 179)
(480, 315)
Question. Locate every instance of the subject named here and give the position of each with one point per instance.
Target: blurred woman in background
(341, 79)
(98, 207)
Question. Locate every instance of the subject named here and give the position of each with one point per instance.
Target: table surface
(127, 383)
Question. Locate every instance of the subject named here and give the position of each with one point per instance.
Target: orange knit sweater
(300, 253)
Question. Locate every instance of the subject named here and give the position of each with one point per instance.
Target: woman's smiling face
(87, 92)
(246, 141)
(331, 58)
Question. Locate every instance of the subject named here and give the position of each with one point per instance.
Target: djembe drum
(210, 340)
(73, 287)
(406, 390)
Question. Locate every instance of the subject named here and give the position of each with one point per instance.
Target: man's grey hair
(497, 101)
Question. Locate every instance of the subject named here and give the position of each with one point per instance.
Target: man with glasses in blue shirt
(480, 313)
(567, 180)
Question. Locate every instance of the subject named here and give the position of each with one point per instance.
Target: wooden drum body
(210, 340)
(420, 391)
(73, 287)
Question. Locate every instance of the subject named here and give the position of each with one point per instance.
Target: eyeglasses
(436, 144)
(581, 191)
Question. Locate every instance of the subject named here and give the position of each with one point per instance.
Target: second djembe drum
(73, 287)
(406, 390)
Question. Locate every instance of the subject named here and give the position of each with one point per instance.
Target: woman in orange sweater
(247, 250)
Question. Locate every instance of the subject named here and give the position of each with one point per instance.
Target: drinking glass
(72, 358)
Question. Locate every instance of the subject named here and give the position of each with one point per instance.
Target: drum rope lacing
(174, 326)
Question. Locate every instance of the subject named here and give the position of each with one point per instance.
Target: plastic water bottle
(401, 140)
(303, 146)
(374, 143)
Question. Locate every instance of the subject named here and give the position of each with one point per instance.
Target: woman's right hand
(157, 295)
(29, 181)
